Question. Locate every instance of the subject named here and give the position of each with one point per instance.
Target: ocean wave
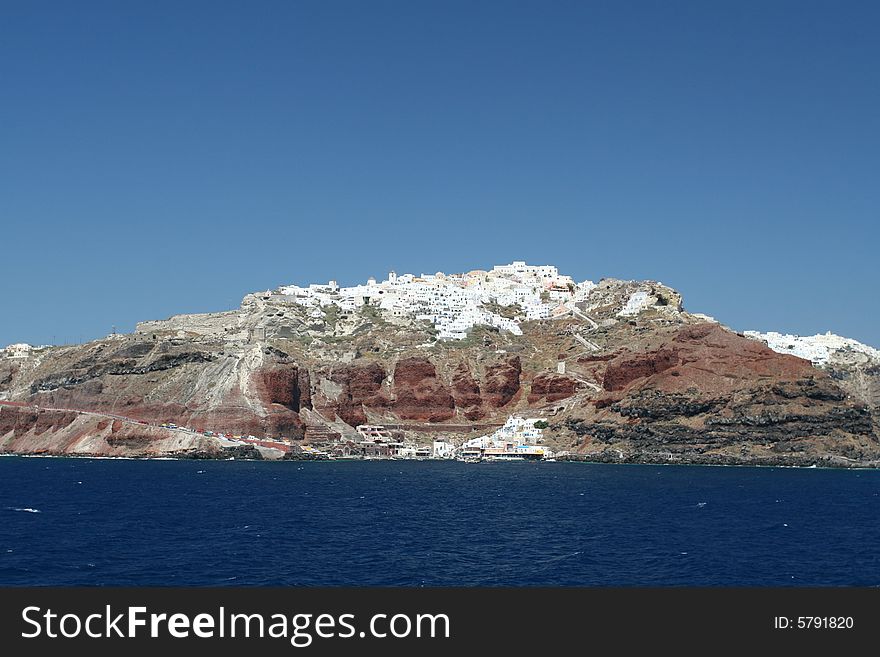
(26, 509)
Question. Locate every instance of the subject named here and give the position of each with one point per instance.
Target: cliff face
(659, 385)
(705, 394)
(859, 376)
(348, 392)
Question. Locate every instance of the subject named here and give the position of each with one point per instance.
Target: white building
(443, 449)
(815, 348)
(454, 303)
(517, 431)
(18, 350)
(636, 303)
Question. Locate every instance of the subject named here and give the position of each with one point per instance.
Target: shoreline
(815, 466)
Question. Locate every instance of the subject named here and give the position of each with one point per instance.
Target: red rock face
(502, 382)
(708, 395)
(551, 387)
(627, 368)
(284, 391)
(304, 386)
(23, 420)
(53, 421)
(419, 394)
(706, 357)
(466, 393)
(33, 431)
(363, 383)
(361, 386)
(287, 386)
(284, 423)
(14, 419)
(280, 387)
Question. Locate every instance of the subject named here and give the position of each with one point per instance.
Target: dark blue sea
(121, 522)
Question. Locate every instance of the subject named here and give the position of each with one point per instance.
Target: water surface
(126, 522)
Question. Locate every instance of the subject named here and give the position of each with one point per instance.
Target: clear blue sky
(167, 157)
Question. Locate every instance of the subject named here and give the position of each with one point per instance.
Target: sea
(111, 522)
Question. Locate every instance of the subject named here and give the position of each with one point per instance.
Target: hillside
(619, 370)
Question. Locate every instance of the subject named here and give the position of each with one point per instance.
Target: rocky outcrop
(419, 394)
(284, 391)
(27, 430)
(415, 391)
(286, 386)
(706, 355)
(625, 369)
(551, 387)
(86, 371)
(466, 393)
(709, 391)
(859, 376)
(502, 382)
(346, 391)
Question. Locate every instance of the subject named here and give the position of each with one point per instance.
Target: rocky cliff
(702, 393)
(655, 384)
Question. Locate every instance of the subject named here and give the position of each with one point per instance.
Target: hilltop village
(453, 303)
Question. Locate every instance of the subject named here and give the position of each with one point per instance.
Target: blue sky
(167, 157)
